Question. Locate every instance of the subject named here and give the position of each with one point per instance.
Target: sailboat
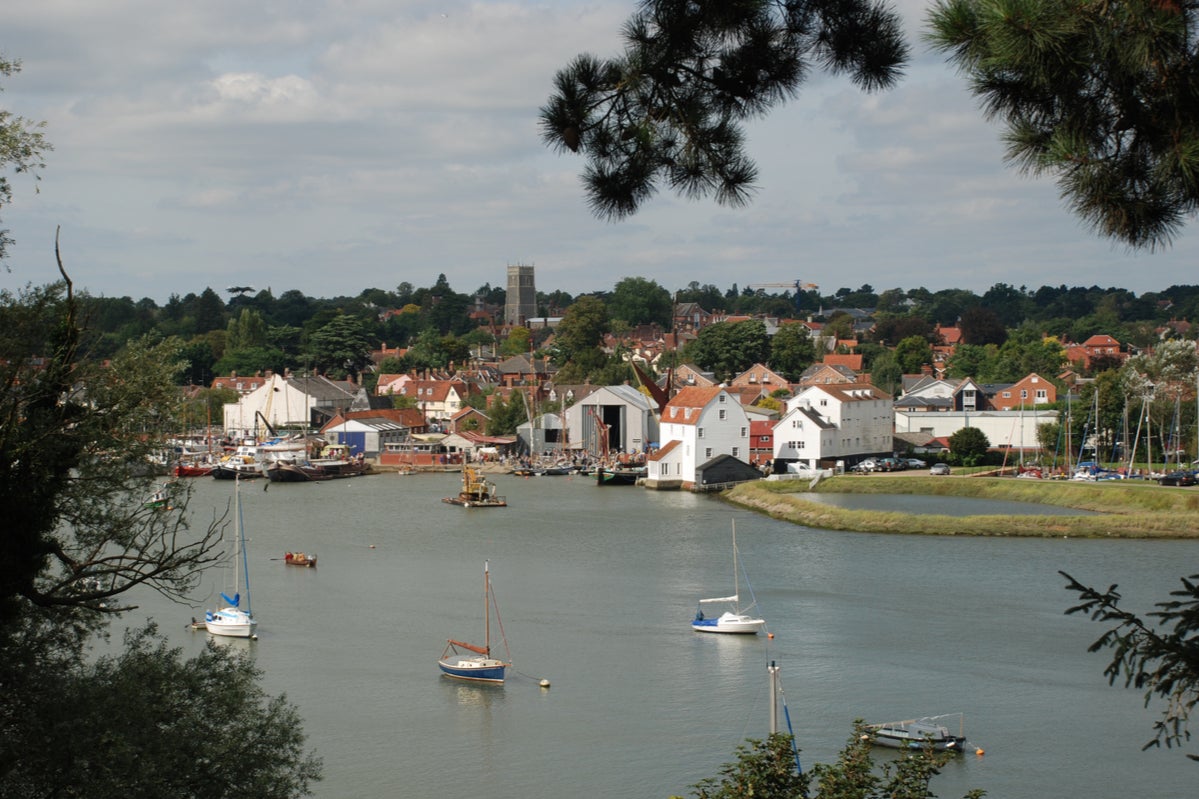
(233, 620)
(476, 664)
(736, 620)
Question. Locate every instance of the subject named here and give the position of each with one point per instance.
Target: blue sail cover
(236, 598)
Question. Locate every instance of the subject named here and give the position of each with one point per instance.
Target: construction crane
(798, 286)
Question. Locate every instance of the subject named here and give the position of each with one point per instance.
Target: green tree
(791, 350)
(913, 353)
(639, 301)
(981, 326)
(1162, 661)
(519, 341)
(971, 360)
(127, 725)
(580, 335)
(342, 345)
(968, 446)
(886, 373)
(1102, 96)
(147, 723)
(769, 770)
(249, 329)
(22, 146)
(669, 111)
(728, 348)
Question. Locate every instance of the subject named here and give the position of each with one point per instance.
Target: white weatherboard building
(835, 422)
(612, 418)
(697, 425)
(1003, 429)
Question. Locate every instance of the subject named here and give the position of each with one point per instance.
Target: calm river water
(596, 588)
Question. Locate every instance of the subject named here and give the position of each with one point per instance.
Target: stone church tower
(521, 297)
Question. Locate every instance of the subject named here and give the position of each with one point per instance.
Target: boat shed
(722, 472)
(612, 419)
(365, 435)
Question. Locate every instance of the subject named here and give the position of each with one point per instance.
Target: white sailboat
(737, 619)
(233, 620)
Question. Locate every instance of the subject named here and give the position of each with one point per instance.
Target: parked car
(916, 463)
(868, 465)
(891, 465)
(1179, 478)
(939, 468)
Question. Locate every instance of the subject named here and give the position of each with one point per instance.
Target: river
(596, 588)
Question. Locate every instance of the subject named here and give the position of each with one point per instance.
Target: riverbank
(1128, 509)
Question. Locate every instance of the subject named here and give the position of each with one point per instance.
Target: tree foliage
(728, 348)
(791, 351)
(146, 723)
(1161, 661)
(637, 300)
(1101, 95)
(341, 346)
(968, 446)
(74, 435)
(669, 111)
(22, 146)
(768, 769)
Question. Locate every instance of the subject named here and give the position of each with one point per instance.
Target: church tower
(521, 297)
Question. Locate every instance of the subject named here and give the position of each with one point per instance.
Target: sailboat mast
(736, 577)
(241, 566)
(487, 607)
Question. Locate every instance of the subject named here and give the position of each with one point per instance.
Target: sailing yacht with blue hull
(234, 621)
(475, 664)
(736, 620)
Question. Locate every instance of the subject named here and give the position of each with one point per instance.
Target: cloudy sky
(331, 146)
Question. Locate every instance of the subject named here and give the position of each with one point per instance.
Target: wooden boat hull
(300, 559)
(618, 477)
(473, 669)
(476, 502)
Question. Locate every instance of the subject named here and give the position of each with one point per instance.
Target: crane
(798, 286)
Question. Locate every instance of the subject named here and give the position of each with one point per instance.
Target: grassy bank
(1130, 509)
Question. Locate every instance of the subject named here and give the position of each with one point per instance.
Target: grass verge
(1129, 509)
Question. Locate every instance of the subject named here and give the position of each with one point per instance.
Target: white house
(833, 422)
(697, 425)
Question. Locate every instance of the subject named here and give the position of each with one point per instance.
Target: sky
(332, 146)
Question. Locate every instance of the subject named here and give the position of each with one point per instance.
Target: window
(1042, 394)
(722, 397)
(723, 414)
(736, 452)
(1007, 395)
(744, 432)
(1023, 393)
(699, 432)
(799, 445)
(708, 452)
